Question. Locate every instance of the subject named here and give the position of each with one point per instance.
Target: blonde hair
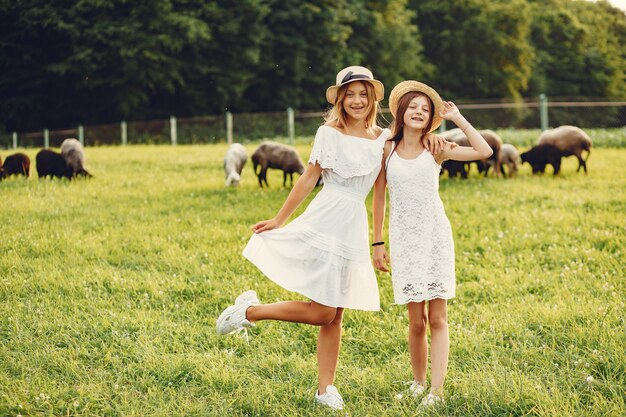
(338, 115)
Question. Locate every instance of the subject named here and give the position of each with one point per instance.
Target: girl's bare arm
(300, 191)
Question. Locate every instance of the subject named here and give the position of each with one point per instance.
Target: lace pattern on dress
(422, 249)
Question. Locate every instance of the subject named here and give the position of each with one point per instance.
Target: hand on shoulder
(445, 152)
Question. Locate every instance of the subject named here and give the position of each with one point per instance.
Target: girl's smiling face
(418, 113)
(355, 102)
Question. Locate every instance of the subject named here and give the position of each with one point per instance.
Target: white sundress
(324, 253)
(420, 236)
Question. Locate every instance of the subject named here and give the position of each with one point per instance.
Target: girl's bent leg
(308, 312)
(440, 343)
(328, 345)
(418, 345)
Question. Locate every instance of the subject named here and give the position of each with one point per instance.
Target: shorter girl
(422, 250)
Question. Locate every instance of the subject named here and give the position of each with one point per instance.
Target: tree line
(70, 62)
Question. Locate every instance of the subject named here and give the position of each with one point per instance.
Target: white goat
(74, 154)
(234, 161)
(509, 156)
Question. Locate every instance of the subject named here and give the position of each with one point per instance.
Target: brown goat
(16, 164)
(570, 140)
(491, 137)
(277, 156)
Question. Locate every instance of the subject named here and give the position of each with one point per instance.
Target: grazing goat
(74, 155)
(494, 141)
(455, 168)
(277, 156)
(570, 140)
(541, 155)
(52, 164)
(462, 168)
(16, 164)
(509, 156)
(234, 161)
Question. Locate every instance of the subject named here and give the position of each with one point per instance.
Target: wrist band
(463, 129)
(378, 243)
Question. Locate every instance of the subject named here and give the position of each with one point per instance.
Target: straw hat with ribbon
(354, 73)
(416, 86)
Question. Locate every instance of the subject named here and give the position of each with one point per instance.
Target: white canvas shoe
(431, 400)
(330, 398)
(233, 319)
(416, 389)
(248, 296)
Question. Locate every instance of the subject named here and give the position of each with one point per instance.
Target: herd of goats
(552, 145)
(67, 164)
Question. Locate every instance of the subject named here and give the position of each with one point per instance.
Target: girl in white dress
(420, 237)
(324, 253)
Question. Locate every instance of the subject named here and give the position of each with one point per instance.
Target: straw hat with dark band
(354, 73)
(415, 86)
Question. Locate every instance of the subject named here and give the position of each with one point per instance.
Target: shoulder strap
(393, 148)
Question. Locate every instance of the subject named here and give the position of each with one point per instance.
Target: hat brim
(411, 86)
(379, 89)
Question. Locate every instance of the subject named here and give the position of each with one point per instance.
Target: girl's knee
(338, 317)
(438, 321)
(418, 325)
(325, 316)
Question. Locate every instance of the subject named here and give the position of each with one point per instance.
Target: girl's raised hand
(265, 225)
(449, 111)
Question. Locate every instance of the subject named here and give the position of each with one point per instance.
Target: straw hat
(354, 73)
(411, 86)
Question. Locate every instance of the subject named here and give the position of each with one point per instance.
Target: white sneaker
(416, 389)
(330, 398)
(431, 400)
(248, 296)
(233, 319)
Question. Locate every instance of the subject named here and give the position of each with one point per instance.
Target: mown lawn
(110, 287)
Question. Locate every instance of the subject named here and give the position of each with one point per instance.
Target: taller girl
(324, 253)
(422, 250)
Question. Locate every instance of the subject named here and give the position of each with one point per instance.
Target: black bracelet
(378, 243)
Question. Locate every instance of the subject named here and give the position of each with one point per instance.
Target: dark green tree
(480, 47)
(386, 38)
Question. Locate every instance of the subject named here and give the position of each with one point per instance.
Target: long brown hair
(338, 114)
(397, 127)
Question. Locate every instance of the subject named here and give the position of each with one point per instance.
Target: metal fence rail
(244, 127)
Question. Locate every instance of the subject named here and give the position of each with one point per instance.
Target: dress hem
(280, 282)
(425, 299)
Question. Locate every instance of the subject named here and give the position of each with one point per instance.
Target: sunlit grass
(109, 290)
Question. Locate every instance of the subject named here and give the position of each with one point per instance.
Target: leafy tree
(480, 47)
(68, 62)
(386, 38)
(579, 49)
(304, 49)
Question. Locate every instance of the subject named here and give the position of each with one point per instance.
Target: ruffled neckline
(347, 158)
(382, 133)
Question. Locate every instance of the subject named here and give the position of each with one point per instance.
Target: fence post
(291, 128)
(81, 135)
(543, 111)
(173, 132)
(124, 132)
(14, 140)
(229, 127)
(46, 138)
(442, 127)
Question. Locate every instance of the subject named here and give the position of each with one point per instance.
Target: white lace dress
(420, 237)
(324, 253)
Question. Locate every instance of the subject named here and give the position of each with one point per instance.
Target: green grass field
(110, 287)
